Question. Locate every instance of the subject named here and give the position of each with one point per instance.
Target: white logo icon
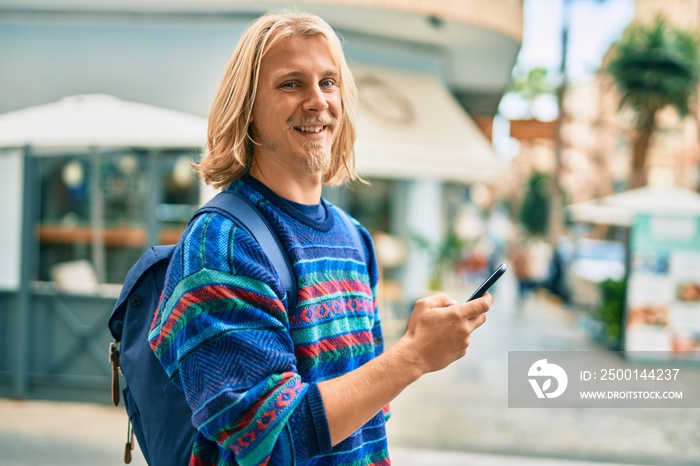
(548, 372)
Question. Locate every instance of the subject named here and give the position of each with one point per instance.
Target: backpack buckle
(116, 369)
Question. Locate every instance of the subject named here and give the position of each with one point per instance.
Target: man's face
(297, 109)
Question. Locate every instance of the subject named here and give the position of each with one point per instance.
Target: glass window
(370, 204)
(107, 208)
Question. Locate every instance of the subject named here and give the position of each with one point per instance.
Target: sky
(593, 26)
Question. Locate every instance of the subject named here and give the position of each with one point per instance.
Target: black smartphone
(488, 282)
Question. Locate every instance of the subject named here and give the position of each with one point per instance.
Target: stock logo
(543, 371)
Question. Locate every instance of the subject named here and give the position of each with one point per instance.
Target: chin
(318, 161)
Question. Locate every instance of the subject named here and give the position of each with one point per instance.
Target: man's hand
(439, 330)
(437, 334)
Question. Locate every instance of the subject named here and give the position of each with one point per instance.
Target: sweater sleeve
(373, 270)
(222, 333)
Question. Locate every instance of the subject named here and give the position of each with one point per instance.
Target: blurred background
(558, 136)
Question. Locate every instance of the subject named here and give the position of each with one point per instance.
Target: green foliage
(532, 83)
(534, 211)
(442, 255)
(611, 310)
(655, 66)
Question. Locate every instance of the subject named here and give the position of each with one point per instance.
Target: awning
(101, 121)
(411, 127)
(619, 209)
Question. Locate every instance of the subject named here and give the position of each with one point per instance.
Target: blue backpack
(158, 414)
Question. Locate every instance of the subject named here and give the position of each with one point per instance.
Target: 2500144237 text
(612, 375)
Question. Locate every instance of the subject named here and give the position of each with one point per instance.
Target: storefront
(87, 183)
(661, 312)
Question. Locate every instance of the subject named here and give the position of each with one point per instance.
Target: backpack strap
(354, 233)
(246, 215)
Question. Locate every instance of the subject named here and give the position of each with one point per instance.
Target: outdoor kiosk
(662, 311)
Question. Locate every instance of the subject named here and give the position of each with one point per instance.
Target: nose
(315, 99)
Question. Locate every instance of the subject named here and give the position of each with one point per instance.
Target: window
(107, 208)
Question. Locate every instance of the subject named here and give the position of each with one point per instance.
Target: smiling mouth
(310, 129)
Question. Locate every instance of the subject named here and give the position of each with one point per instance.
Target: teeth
(310, 129)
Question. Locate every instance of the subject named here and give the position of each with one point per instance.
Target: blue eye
(327, 83)
(289, 85)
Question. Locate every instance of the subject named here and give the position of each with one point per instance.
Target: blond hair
(229, 142)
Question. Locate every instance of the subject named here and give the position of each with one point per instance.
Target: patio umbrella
(100, 121)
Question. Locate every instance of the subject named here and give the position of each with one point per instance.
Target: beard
(318, 158)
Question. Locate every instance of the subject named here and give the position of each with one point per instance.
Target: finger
(476, 322)
(488, 299)
(477, 307)
(438, 300)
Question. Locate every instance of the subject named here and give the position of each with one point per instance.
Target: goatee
(318, 158)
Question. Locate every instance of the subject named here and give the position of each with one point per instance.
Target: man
(268, 384)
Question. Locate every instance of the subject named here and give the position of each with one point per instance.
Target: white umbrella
(620, 209)
(100, 121)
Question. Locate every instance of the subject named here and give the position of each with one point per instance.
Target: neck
(297, 187)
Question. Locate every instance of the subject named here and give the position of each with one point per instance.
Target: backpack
(158, 413)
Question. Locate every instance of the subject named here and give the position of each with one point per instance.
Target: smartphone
(488, 282)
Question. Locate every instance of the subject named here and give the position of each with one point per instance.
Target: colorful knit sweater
(247, 365)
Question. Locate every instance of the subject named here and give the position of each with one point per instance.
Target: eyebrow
(297, 74)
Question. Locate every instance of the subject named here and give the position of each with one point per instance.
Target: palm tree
(653, 67)
(531, 84)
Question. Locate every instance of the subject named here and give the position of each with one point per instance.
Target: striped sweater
(247, 365)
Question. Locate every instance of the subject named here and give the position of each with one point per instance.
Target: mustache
(326, 120)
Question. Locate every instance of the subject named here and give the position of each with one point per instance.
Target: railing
(65, 347)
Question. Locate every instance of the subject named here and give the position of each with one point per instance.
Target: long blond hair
(229, 143)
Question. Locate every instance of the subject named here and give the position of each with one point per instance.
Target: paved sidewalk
(415, 457)
(48, 433)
